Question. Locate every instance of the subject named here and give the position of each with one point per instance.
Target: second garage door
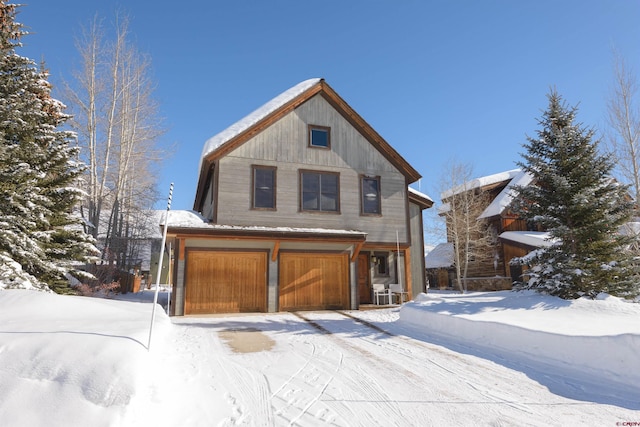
(314, 281)
(225, 282)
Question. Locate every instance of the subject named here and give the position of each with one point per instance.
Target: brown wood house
(301, 205)
(515, 238)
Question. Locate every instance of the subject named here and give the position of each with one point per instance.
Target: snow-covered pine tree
(38, 172)
(574, 198)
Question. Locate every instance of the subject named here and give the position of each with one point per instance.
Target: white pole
(169, 275)
(159, 273)
(398, 258)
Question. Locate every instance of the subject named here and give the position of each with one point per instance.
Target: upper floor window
(263, 195)
(320, 191)
(319, 136)
(370, 195)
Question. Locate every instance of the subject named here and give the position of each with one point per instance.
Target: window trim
(381, 256)
(311, 128)
(362, 195)
(301, 208)
(274, 170)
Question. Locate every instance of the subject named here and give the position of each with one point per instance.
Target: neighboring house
(516, 237)
(439, 265)
(149, 244)
(301, 205)
(132, 254)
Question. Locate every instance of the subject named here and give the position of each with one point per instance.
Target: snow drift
(598, 338)
(68, 360)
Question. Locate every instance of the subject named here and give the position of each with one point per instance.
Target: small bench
(396, 289)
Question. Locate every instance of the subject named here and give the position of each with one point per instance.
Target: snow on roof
(536, 239)
(480, 182)
(631, 228)
(184, 219)
(505, 197)
(213, 143)
(419, 194)
(193, 220)
(440, 257)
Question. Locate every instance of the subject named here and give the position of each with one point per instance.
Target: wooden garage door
(314, 281)
(225, 282)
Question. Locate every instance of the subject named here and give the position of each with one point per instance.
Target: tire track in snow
(361, 383)
(293, 400)
(448, 387)
(400, 368)
(295, 374)
(318, 396)
(473, 378)
(248, 383)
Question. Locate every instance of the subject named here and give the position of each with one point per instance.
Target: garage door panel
(314, 281)
(225, 282)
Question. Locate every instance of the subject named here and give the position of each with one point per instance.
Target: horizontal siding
(284, 145)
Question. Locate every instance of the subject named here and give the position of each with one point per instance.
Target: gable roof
(533, 239)
(244, 124)
(480, 182)
(504, 198)
(512, 178)
(238, 133)
(440, 257)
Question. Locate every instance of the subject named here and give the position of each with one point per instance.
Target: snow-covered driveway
(327, 368)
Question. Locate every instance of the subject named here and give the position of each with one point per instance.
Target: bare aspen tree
(623, 109)
(85, 120)
(118, 126)
(463, 203)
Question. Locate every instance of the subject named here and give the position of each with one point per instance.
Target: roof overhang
(188, 224)
(248, 129)
(262, 233)
(529, 239)
(420, 199)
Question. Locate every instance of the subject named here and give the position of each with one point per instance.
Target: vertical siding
(179, 289)
(209, 199)
(353, 286)
(418, 271)
(285, 146)
(272, 286)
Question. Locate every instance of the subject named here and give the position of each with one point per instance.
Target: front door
(364, 284)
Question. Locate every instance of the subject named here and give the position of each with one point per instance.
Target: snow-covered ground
(504, 358)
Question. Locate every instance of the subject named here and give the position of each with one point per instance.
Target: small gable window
(370, 195)
(319, 136)
(263, 195)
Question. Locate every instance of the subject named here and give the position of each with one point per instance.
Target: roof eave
(338, 103)
(267, 234)
(366, 130)
(423, 202)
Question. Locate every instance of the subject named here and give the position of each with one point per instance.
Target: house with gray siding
(301, 205)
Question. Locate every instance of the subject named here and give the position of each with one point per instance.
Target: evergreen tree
(573, 197)
(38, 229)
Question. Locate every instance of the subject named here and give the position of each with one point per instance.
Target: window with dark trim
(381, 263)
(319, 191)
(263, 185)
(370, 195)
(319, 136)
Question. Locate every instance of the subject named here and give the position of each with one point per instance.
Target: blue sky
(439, 80)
